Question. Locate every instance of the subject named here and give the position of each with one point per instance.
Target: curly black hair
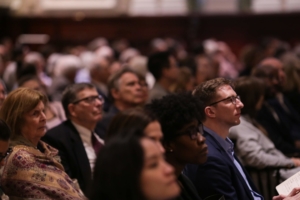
(175, 111)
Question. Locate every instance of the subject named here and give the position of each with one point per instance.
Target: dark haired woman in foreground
(133, 168)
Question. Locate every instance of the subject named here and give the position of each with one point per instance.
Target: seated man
(76, 138)
(222, 173)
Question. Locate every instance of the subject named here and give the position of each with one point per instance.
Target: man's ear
(115, 93)
(71, 108)
(210, 111)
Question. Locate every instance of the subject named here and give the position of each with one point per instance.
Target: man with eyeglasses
(4, 144)
(78, 139)
(222, 173)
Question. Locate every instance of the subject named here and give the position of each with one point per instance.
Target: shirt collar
(84, 133)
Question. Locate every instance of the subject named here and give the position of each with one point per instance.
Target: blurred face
(130, 90)
(87, 109)
(33, 84)
(145, 90)
(187, 150)
(34, 123)
(272, 84)
(172, 72)
(276, 64)
(3, 149)
(158, 181)
(226, 112)
(259, 103)
(2, 94)
(153, 131)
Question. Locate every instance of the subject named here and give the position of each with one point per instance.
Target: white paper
(288, 185)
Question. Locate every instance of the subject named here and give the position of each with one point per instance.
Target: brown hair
(16, 104)
(206, 91)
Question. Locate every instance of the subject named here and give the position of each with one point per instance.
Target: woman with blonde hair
(32, 170)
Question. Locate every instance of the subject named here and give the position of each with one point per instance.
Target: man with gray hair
(125, 91)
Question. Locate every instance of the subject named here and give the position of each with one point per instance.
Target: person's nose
(201, 139)
(239, 103)
(168, 169)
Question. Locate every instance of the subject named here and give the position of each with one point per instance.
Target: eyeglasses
(90, 99)
(6, 154)
(232, 99)
(193, 132)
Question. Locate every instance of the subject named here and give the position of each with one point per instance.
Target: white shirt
(86, 137)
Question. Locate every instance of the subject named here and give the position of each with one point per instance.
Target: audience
(33, 170)
(253, 146)
(133, 168)
(77, 138)
(222, 173)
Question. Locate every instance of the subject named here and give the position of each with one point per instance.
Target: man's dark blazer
(283, 133)
(219, 175)
(67, 140)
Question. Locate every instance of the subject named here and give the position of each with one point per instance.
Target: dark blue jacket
(219, 175)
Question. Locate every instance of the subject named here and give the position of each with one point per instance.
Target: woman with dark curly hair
(180, 117)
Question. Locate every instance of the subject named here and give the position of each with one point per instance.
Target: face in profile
(34, 123)
(130, 90)
(158, 180)
(153, 131)
(189, 145)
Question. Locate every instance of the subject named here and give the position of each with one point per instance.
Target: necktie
(96, 144)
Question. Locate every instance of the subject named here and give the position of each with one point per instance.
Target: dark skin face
(183, 150)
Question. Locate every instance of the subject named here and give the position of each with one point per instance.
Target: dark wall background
(236, 30)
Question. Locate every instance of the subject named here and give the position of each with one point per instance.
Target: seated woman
(180, 117)
(135, 119)
(253, 146)
(133, 168)
(32, 170)
(53, 110)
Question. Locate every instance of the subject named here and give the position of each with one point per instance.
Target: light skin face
(129, 92)
(34, 124)
(153, 131)
(186, 150)
(84, 113)
(277, 64)
(158, 181)
(3, 149)
(2, 94)
(225, 113)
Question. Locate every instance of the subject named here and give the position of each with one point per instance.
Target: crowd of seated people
(105, 122)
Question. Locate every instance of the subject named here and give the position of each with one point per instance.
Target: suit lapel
(237, 173)
(80, 154)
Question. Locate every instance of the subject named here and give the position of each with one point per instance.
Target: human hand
(296, 161)
(294, 195)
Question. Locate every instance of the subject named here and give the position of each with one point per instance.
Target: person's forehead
(128, 76)
(86, 91)
(224, 91)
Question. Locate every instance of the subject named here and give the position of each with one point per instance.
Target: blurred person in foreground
(180, 116)
(133, 168)
(33, 169)
(136, 119)
(77, 139)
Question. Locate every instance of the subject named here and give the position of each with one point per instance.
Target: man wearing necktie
(222, 173)
(76, 138)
